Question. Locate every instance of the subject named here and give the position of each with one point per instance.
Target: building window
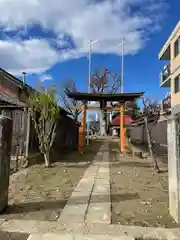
(177, 47)
(177, 84)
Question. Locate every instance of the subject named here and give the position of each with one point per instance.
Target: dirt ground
(13, 236)
(39, 193)
(139, 195)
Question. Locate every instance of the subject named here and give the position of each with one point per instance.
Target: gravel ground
(139, 195)
(39, 193)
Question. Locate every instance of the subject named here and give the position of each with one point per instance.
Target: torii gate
(102, 98)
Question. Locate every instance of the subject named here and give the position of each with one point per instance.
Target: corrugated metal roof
(9, 99)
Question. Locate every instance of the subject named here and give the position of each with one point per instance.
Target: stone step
(54, 236)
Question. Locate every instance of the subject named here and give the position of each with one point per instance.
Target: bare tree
(151, 109)
(104, 81)
(99, 80)
(69, 103)
(45, 113)
(114, 82)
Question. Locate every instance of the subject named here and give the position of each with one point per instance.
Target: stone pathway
(87, 214)
(90, 201)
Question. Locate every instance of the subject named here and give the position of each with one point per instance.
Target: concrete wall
(158, 133)
(173, 176)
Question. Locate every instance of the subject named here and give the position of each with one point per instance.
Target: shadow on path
(51, 205)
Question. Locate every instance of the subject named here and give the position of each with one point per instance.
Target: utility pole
(122, 64)
(122, 67)
(122, 91)
(90, 43)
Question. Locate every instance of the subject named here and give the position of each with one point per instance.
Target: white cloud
(45, 77)
(106, 20)
(30, 56)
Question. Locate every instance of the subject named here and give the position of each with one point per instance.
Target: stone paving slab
(90, 174)
(76, 208)
(78, 197)
(99, 213)
(85, 187)
(101, 187)
(100, 198)
(49, 236)
(104, 168)
(102, 181)
(91, 170)
(103, 175)
(74, 213)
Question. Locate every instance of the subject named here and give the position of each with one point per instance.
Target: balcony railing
(166, 103)
(165, 74)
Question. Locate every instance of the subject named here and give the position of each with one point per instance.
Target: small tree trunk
(47, 159)
(156, 166)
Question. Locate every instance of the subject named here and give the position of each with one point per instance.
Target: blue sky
(49, 39)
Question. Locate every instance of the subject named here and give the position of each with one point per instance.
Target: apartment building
(170, 78)
(170, 75)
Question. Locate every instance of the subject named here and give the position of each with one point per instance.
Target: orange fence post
(122, 132)
(80, 139)
(82, 130)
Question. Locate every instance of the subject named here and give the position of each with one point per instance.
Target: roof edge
(105, 94)
(168, 42)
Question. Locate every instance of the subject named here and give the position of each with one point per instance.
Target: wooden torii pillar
(82, 127)
(122, 129)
